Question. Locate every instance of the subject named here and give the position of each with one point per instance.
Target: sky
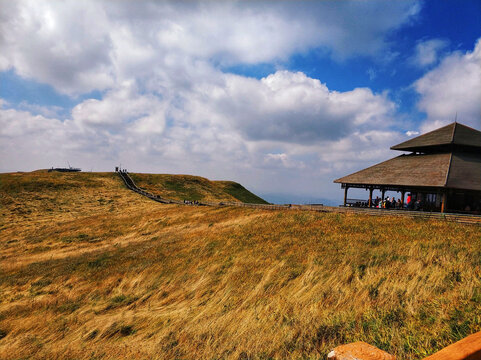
(281, 96)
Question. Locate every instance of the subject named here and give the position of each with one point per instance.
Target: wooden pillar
(382, 196)
(403, 192)
(345, 195)
(444, 202)
(370, 196)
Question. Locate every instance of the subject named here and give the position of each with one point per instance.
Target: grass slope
(89, 270)
(188, 187)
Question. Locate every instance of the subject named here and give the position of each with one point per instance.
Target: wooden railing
(468, 348)
(132, 186)
(357, 202)
(461, 218)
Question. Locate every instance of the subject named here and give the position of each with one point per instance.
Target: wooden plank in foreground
(359, 351)
(468, 348)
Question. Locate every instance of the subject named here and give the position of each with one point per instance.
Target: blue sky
(283, 97)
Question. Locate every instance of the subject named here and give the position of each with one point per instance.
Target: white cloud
(360, 149)
(282, 160)
(20, 123)
(427, 52)
(82, 46)
(26, 139)
(453, 87)
(51, 111)
(290, 107)
(122, 108)
(64, 44)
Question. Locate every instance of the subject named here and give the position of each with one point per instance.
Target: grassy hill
(90, 270)
(188, 187)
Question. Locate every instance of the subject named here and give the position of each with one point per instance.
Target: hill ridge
(194, 188)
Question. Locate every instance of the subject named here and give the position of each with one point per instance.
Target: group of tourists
(393, 203)
(189, 202)
(387, 203)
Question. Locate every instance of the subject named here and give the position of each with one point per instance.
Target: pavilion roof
(443, 170)
(452, 134)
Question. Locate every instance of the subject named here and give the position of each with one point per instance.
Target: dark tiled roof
(447, 170)
(455, 133)
(465, 172)
(404, 170)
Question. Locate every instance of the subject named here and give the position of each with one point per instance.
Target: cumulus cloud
(453, 87)
(282, 160)
(291, 107)
(18, 123)
(427, 52)
(122, 108)
(78, 47)
(360, 149)
(25, 138)
(64, 44)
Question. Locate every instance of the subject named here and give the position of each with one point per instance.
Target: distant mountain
(278, 198)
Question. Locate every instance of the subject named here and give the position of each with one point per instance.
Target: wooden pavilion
(443, 170)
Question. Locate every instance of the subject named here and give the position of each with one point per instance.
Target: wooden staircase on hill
(132, 186)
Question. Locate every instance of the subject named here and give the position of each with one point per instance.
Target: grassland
(188, 187)
(89, 270)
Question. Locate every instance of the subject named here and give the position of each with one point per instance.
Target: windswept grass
(107, 274)
(188, 187)
(240, 193)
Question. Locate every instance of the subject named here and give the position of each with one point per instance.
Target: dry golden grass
(90, 270)
(188, 187)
